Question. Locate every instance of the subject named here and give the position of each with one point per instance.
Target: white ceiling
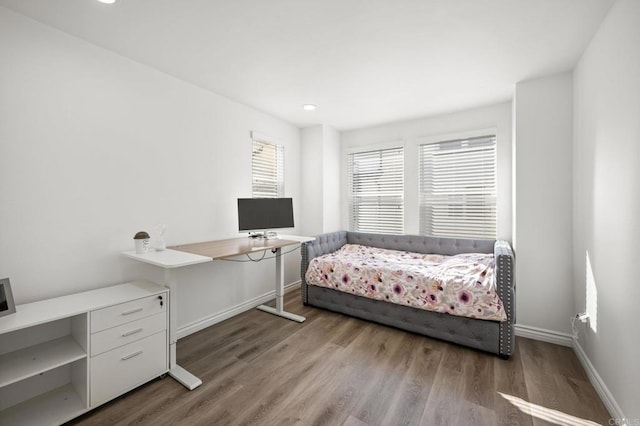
(363, 62)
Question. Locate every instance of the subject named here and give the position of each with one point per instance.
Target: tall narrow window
(267, 167)
(458, 188)
(376, 191)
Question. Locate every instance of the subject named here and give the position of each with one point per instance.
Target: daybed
(492, 336)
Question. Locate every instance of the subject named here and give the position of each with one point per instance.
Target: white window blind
(267, 167)
(376, 189)
(458, 188)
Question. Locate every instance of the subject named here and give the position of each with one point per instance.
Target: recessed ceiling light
(309, 107)
(107, 1)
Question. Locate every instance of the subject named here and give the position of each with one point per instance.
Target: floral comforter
(460, 285)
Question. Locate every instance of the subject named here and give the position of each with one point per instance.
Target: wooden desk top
(233, 247)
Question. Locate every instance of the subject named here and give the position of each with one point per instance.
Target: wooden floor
(260, 369)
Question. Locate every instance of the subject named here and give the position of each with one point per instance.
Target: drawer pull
(126, 357)
(129, 333)
(133, 311)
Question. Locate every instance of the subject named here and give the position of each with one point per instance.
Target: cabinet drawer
(121, 335)
(123, 313)
(126, 367)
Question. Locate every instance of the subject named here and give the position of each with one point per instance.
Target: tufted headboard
(421, 244)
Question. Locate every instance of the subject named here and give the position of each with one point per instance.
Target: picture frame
(7, 305)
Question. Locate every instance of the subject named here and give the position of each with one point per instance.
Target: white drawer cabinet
(129, 346)
(70, 354)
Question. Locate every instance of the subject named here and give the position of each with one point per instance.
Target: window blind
(267, 168)
(376, 189)
(458, 188)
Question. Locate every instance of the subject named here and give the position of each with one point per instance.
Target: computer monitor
(264, 214)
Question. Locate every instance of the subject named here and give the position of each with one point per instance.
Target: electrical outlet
(583, 317)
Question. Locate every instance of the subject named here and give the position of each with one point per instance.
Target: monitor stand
(266, 235)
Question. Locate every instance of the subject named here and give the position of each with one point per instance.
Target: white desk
(191, 254)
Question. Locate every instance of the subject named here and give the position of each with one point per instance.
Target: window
(458, 188)
(267, 166)
(376, 191)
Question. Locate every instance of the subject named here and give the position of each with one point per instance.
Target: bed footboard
(505, 285)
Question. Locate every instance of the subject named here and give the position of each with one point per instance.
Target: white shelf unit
(45, 362)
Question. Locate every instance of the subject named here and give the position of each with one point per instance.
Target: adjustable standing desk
(191, 254)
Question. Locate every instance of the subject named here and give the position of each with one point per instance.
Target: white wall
(497, 117)
(606, 210)
(94, 147)
(332, 208)
(543, 116)
(312, 163)
(320, 176)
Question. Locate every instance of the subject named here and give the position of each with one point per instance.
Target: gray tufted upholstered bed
(491, 336)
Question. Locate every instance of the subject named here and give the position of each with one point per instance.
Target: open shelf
(51, 408)
(24, 363)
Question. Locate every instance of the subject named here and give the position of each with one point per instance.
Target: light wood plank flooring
(260, 369)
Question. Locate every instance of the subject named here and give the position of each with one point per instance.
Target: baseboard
(601, 388)
(562, 339)
(234, 310)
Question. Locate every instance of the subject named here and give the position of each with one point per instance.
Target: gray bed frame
(491, 336)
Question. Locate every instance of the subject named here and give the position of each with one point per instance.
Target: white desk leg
(187, 379)
(279, 309)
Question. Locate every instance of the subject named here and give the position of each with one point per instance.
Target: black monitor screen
(264, 213)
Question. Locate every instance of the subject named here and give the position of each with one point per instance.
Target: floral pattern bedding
(460, 285)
